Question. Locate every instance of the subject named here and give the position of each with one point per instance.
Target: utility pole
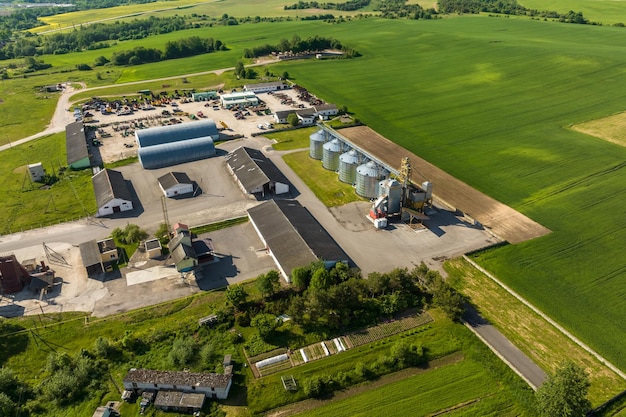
(165, 216)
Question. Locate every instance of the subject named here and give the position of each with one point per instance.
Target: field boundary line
(548, 319)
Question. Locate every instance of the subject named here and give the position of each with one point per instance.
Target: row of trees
(90, 37)
(174, 49)
(510, 7)
(298, 45)
(349, 5)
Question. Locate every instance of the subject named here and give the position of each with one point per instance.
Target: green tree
(100, 61)
(292, 119)
(269, 283)
(236, 295)
(266, 324)
(7, 406)
(321, 280)
(300, 277)
(564, 394)
(240, 70)
(182, 352)
(162, 233)
(284, 75)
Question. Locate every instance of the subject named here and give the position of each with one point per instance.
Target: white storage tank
(367, 177)
(428, 187)
(316, 144)
(331, 152)
(393, 190)
(347, 166)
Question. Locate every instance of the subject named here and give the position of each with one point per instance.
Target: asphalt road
(504, 349)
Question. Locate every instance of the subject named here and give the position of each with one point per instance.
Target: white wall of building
(113, 206)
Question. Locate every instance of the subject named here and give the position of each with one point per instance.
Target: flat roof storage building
(293, 237)
(76, 146)
(265, 87)
(176, 144)
(243, 98)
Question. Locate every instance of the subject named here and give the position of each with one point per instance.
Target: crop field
(611, 128)
(488, 100)
(607, 12)
(213, 9)
(464, 385)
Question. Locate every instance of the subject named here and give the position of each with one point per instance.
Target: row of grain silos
(353, 167)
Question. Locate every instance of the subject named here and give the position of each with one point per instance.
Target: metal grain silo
(393, 190)
(316, 144)
(367, 177)
(331, 152)
(347, 166)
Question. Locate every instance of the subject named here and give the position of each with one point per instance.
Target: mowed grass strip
(324, 184)
(419, 395)
(541, 341)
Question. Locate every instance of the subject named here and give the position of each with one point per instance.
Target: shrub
(182, 352)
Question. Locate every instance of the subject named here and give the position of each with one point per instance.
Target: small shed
(179, 401)
(90, 254)
(36, 171)
(13, 276)
(175, 184)
(204, 95)
(102, 412)
(153, 248)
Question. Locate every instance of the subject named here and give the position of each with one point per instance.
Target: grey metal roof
(263, 85)
(174, 178)
(174, 153)
(179, 399)
(286, 244)
(253, 169)
(183, 251)
(176, 133)
(316, 237)
(109, 184)
(178, 378)
(75, 142)
(90, 253)
(321, 107)
(249, 174)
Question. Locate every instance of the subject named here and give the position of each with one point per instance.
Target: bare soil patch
(501, 219)
(611, 129)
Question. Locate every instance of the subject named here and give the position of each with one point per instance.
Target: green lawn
(489, 101)
(325, 184)
(25, 204)
(292, 139)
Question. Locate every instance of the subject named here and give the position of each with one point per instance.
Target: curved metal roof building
(173, 153)
(175, 133)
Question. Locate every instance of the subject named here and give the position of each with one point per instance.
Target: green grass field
(25, 205)
(488, 100)
(325, 184)
(431, 392)
(213, 9)
(607, 12)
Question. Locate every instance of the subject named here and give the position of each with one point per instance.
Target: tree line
(349, 5)
(180, 48)
(298, 45)
(96, 36)
(509, 7)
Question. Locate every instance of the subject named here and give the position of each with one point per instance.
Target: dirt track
(501, 219)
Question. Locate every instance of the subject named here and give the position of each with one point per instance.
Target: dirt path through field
(312, 404)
